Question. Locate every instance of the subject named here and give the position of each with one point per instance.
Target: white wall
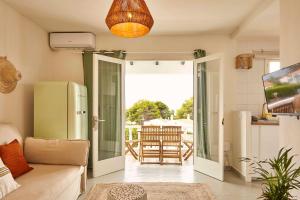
(289, 32)
(26, 45)
(249, 91)
(65, 65)
(210, 43)
(23, 43)
(290, 54)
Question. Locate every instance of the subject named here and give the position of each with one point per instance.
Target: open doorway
(159, 95)
(109, 113)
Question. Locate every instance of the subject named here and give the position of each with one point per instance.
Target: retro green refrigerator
(60, 110)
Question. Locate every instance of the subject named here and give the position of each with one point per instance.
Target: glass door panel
(208, 94)
(108, 115)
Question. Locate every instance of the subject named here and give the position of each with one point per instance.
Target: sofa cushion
(12, 156)
(57, 152)
(45, 182)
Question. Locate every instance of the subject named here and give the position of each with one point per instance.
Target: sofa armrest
(59, 152)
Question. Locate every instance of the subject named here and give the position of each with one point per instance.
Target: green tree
(143, 110)
(164, 110)
(185, 109)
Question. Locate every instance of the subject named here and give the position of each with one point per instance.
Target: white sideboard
(257, 141)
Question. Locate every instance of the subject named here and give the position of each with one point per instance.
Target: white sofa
(59, 167)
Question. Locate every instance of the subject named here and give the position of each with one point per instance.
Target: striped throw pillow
(7, 182)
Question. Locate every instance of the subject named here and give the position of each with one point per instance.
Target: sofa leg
(84, 180)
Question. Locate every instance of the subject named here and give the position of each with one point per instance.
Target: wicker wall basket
(9, 76)
(244, 61)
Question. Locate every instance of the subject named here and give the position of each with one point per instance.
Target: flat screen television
(282, 90)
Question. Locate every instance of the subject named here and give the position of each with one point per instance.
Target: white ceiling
(172, 17)
(266, 23)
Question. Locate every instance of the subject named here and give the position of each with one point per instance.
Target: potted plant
(279, 176)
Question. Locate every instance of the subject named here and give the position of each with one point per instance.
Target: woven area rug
(160, 191)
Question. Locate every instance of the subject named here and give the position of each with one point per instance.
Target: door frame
(117, 163)
(205, 166)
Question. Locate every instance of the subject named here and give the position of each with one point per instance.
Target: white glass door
(108, 115)
(208, 116)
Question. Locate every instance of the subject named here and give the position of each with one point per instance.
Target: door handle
(96, 121)
(101, 120)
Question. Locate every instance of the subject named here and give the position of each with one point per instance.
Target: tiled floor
(233, 188)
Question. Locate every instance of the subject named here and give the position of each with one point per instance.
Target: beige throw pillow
(7, 182)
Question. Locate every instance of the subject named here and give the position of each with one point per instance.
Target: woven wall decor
(9, 76)
(129, 18)
(244, 61)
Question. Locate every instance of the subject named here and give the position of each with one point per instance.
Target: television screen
(282, 90)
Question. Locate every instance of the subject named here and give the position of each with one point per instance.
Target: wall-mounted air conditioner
(72, 40)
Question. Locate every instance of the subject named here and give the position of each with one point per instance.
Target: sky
(170, 82)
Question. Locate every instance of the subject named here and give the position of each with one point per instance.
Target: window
(272, 66)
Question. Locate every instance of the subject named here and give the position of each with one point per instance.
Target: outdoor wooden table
(130, 148)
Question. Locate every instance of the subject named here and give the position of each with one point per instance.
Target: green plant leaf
(279, 175)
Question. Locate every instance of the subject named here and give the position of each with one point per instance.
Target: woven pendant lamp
(129, 18)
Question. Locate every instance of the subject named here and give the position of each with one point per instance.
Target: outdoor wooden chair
(171, 143)
(130, 148)
(150, 143)
(189, 152)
